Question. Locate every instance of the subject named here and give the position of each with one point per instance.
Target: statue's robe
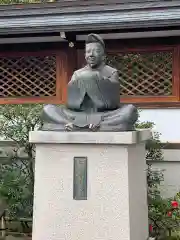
(93, 98)
(100, 85)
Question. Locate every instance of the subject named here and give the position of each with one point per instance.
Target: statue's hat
(95, 38)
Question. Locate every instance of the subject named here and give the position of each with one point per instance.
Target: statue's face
(94, 54)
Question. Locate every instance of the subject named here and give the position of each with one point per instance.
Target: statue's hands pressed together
(94, 127)
(69, 127)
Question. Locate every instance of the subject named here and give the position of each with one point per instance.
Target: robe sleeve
(110, 90)
(75, 94)
(73, 78)
(114, 77)
(115, 97)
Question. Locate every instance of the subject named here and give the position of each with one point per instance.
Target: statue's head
(94, 50)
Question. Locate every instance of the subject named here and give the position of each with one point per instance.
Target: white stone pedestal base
(116, 205)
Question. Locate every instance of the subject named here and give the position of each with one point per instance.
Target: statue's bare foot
(93, 127)
(69, 127)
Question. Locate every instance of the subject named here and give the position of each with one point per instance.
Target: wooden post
(3, 227)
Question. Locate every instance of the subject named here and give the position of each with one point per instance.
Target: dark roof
(90, 15)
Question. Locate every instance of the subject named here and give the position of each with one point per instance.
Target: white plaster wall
(167, 122)
(171, 185)
(171, 167)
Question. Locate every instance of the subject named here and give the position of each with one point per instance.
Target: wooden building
(42, 44)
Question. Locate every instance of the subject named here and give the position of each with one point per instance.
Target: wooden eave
(90, 15)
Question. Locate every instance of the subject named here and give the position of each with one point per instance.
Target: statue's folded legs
(121, 119)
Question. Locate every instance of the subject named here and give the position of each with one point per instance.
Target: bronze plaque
(80, 178)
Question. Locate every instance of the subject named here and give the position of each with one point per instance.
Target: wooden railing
(3, 225)
(5, 230)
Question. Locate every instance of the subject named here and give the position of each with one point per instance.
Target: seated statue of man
(93, 102)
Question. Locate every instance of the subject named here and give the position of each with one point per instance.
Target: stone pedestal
(116, 205)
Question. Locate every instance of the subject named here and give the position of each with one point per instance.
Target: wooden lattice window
(32, 77)
(144, 74)
(28, 76)
(147, 75)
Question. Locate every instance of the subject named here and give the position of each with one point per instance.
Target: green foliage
(165, 218)
(15, 190)
(170, 238)
(153, 145)
(17, 170)
(154, 179)
(10, 2)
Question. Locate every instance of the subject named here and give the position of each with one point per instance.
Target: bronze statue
(93, 102)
